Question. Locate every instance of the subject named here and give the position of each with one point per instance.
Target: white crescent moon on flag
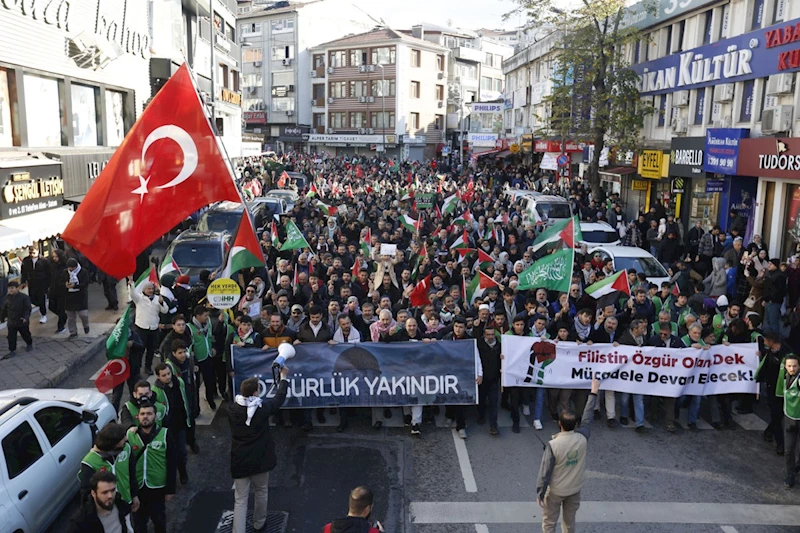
(184, 140)
(123, 366)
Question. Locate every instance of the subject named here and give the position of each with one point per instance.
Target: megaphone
(285, 352)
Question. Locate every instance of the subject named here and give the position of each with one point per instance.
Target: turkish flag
(419, 294)
(116, 372)
(167, 167)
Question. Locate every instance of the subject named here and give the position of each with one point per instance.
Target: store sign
(315, 138)
(482, 139)
(31, 189)
(486, 108)
(638, 185)
(255, 117)
(678, 185)
(770, 157)
(648, 13)
(94, 168)
(715, 186)
(722, 149)
(687, 156)
(527, 142)
(555, 146)
(293, 132)
(418, 140)
(753, 55)
(650, 164)
(230, 97)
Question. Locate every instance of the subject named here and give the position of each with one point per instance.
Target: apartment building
(278, 71)
(379, 91)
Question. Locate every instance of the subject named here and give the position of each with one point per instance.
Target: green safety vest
(201, 344)
(161, 396)
(151, 466)
(161, 411)
(791, 400)
(688, 341)
(655, 328)
(119, 469)
(661, 304)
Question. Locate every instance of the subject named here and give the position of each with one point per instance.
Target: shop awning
(618, 171)
(488, 152)
(504, 153)
(40, 226)
(13, 239)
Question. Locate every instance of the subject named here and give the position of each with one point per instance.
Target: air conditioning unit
(777, 119)
(291, 88)
(362, 99)
(440, 76)
(723, 93)
(370, 131)
(330, 100)
(287, 62)
(780, 84)
(330, 70)
(256, 63)
(370, 99)
(723, 122)
(290, 113)
(362, 68)
(441, 104)
(680, 99)
(679, 125)
(312, 74)
(370, 68)
(329, 131)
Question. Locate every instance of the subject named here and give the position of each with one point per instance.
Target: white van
(544, 208)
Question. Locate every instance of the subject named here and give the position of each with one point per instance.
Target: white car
(633, 258)
(44, 435)
(287, 195)
(597, 234)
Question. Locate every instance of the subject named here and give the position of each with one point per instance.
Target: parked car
(634, 258)
(287, 195)
(196, 250)
(273, 206)
(44, 435)
(544, 207)
(225, 216)
(598, 233)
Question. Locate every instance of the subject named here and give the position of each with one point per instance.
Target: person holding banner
(563, 468)
(635, 336)
(489, 384)
(665, 339)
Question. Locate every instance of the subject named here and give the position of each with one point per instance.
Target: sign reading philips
(487, 108)
(722, 149)
(482, 139)
(757, 54)
(644, 14)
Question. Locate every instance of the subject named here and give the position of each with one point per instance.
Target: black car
(194, 251)
(225, 216)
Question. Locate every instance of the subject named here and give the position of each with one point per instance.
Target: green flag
(294, 238)
(553, 272)
(117, 342)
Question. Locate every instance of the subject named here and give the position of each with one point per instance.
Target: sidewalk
(53, 356)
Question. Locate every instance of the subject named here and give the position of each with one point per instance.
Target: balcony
(318, 102)
(319, 129)
(318, 72)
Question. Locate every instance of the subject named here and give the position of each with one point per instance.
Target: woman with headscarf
(56, 293)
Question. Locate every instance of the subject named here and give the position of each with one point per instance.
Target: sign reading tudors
(722, 149)
(686, 156)
(757, 54)
(770, 157)
(30, 189)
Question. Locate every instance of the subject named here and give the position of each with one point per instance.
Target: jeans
(638, 407)
(23, 329)
(552, 508)
(152, 506)
(56, 305)
(489, 395)
(241, 487)
(179, 439)
(772, 318)
(522, 395)
(72, 322)
(207, 371)
(558, 400)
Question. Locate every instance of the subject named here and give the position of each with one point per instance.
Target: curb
(57, 376)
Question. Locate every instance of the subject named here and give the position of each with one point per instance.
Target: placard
(388, 249)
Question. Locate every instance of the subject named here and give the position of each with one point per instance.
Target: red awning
(619, 171)
(488, 152)
(504, 153)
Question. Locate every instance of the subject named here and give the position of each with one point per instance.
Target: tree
(594, 97)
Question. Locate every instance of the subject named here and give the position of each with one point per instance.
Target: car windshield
(219, 221)
(599, 236)
(647, 265)
(197, 255)
(558, 210)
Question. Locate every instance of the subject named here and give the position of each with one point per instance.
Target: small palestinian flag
(245, 252)
(478, 286)
(617, 282)
(274, 234)
(168, 265)
(449, 204)
(409, 223)
(327, 210)
(462, 241)
(148, 275)
(366, 243)
(464, 219)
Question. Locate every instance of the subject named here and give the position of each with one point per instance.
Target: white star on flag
(141, 190)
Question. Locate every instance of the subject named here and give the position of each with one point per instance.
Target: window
(282, 78)
(44, 110)
(283, 52)
(486, 83)
(224, 79)
(498, 86)
(319, 120)
(489, 60)
(778, 12)
(283, 104)
(358, 119)
(440, 92)
(339, 58)
(758, 14)
(414, 89)
(681, 33)
(468, 71)
(358, 57)
(338, 120)
(57, 422)
(383, 56)
(115, 119)
(254, 104)
(416, 58)
(229, 33)
(21, 449)
(358, 88)
(637, 52)
(377, 88)
(707, 26)
(251, 55)
(282, 26)
(413, 121)
(700, 107)
(84, 115)
(438, 122)
(318, 91)
(380, 120)
(668, 48)
(498, 61)
(440, 63)
(247, 29)
(319, 61)
(724, 28)
(338, 89)
(6, 135)
(253, 79)
(662, 110)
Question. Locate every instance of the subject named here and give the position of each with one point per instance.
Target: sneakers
(693, 427)
(526, 410)
(415, 429)
(641, 429)
(611, 422)
(29, 348)
(86, 330)
(407, 420)
(537, 424)
(448, 422)
(462, 433)
(623, 420)
(11, 354)
(72, 336)
(515, 427)
(494, 432)
(43, 320)
(61, 330)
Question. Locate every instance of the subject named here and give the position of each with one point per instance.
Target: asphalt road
(710, 481)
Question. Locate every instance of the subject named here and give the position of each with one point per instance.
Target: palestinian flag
(294, 238)
(552, 272)
(449, 204)
(617, 282)
(117, 342)
(409, 223)
(462, 241)
(393, 167)
(490, 234)
(245, 252)
(422, 253)
(463, 252)
(274, 234)
(436, 211)
(313, 191)
(568, 230)
(366, 244)
(478, 286)
(406, 194)
(464, 219)
(148, 275)
(328, 210)
(168, 265)
(483, 260)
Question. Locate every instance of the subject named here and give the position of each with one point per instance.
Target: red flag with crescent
(114, 373)
(168, 166)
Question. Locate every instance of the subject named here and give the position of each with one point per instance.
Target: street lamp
(383, 107)
(563, 14)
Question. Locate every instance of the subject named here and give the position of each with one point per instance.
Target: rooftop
(259, 11)
(427, 27)
(378, 35)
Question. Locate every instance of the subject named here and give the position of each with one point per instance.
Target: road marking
(729, 529)
(608, 512)
(466, 466)
(483, 528)
(750, 421)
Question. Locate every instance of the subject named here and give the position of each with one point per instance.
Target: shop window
(703, 206)
(84, 115)
(792, 239)
(115, 117)
(7, 109)
(44, 111)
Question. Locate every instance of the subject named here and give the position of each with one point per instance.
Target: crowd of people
(340, 289)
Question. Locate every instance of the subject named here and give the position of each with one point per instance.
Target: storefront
(776, 164)
(80, 169)
(649, 188)
(291, 137)
(713, 195)
(344, 144)
(686, 158)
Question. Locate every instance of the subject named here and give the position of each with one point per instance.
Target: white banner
(672, 372)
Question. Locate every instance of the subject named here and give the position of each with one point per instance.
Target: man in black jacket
(665, 339)
(774, 292)
(36, 276)
(103, 510)
(489, 387)
(252, 449)
(16, 309)
(456, 412)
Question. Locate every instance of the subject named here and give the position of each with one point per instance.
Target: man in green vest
(155, 469)
(171, 390)
(111, 453)
(203, 351)
(141, 391)
(789, 388)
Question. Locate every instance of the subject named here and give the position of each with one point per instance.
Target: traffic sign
(562, 160)
(223, 293)
(514, 148)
